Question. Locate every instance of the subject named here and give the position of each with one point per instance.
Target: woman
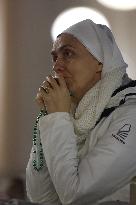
(83, 151)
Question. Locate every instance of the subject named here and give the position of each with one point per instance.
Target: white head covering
(100, 42)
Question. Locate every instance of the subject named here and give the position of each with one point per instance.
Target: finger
(46, 84)
(45, 96)
(52, 81)
(61, 81)
(40, 101)
(45, 89)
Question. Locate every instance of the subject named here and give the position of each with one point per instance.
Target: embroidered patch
(122, 133)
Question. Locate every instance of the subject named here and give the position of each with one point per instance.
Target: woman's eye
(67, 53)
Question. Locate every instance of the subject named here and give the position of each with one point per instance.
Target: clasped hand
(54, 96)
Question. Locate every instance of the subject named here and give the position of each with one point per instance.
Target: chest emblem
(122, 133)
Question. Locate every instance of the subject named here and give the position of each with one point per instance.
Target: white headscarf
(99, 41)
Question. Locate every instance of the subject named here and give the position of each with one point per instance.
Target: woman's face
(73, 61)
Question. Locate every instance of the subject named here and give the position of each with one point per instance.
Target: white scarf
(91, 107)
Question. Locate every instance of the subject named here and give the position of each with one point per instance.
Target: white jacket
(103, 174)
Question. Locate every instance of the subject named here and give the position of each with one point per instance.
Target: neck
(77, 96)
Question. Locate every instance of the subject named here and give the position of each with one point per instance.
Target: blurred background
(26, 35)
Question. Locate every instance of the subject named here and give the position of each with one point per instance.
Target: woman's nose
(58, 65)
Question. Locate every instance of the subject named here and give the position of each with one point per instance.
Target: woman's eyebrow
(53, 52)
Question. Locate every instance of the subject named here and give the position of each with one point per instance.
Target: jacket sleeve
(39, 186)
(107, 168)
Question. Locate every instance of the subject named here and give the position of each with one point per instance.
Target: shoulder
(126, 111)
(122, 127)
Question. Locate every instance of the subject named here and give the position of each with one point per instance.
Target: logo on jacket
(122, 133)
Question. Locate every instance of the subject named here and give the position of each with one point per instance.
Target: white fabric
(100, 42)
(91, 107)
(104, 170)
